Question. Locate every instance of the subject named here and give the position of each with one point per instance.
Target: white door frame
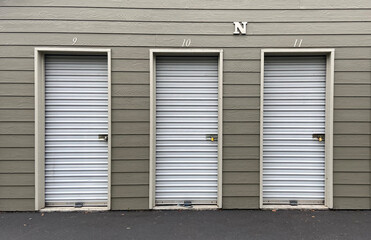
(330, 57)
(182, 52)
(39, 63)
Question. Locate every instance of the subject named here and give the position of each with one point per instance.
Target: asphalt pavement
(179, 225)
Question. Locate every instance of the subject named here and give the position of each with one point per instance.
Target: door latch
(103, 137)
(212, 138)
(319, 137)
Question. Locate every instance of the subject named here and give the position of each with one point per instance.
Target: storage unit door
(294, 128)
(186, 130)
(76, 127)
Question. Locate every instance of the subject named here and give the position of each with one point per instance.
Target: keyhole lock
(212, 138)
(319, 137)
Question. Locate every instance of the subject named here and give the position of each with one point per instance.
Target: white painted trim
(330, 56)
(152, 135)
(261, 128)
(220, 130)
(40, 120)
(152, 162)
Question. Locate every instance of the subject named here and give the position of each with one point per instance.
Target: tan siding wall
(343, 25)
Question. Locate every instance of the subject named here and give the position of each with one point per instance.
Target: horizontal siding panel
(352, 115)
(122, 52)
(37, 39)
(353, 77)
(240, 153)
(352, 140)
(17, 141)
(352, 53)
(17, 90)
(351, 178)
(241, 128)
(241, 190)
(223, 28)
(130, 203)
(11, 51)
(119, 141)
(243, 165)
(141, 191)
(223, 4)
(127, 166)
(130, 90)
(130, 77)
(241, 178)
(17, 166)
(130, 65)
(241, 140)
(16, 102)
(240, 115)
(17, 115)
(17, 192)
(130, 115)
(351, 153)
(244, 53)
(351, 165)
(241, 78)
(183, 14)
(241, 203)
(17, 179)
(137, 103)
(17, 153)
(352, 203)
(351, 191)
(130, 153)
(19, 64)
(270, 4)
(130, 178)
(17, 128)
(241, 66)
(16, 76)
(352, 128)
(130, 128)
(353, 102)
(17, 204)
(352, 90)
(334, 4)
(241, 90)
(241, 103)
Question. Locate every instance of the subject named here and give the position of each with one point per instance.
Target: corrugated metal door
(294, 122)
(186, 122)
(76, 123)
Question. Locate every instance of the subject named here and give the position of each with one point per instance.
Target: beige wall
(131, 28)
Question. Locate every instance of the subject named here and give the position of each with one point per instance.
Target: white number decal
(298, 42)
(186, 43)
(74, 40)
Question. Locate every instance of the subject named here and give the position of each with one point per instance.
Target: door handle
(319, 137)
(103, 137)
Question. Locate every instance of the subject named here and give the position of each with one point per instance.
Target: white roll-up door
(76, 124)
(186, 125)
(294, 123)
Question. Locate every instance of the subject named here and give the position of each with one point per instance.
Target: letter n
(239, 29)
